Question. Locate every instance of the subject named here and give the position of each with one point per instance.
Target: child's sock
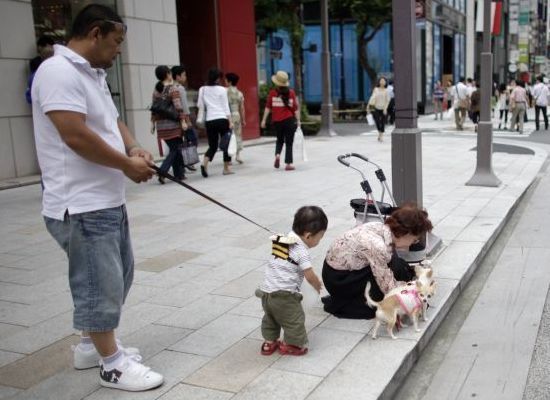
(86, 343)
(113, 361)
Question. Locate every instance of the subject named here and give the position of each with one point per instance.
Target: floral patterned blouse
(363, 246)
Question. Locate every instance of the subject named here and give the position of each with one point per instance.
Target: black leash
(191, 188)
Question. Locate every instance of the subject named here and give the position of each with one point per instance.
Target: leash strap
(191, 188)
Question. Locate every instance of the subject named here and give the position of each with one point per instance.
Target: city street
(192, 310)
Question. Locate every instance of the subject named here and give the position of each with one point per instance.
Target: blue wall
(378, 50)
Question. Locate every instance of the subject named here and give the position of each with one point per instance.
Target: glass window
(54, 18)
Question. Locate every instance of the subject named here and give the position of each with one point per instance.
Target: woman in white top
(502, 104)
(215, 104)
(378, 103)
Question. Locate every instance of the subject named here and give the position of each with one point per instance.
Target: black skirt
(347, 288)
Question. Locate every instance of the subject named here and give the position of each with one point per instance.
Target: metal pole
(406, 138)
(484, 175)
(326, 107)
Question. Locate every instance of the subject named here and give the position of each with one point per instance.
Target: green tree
(370, 15)
(272, 15)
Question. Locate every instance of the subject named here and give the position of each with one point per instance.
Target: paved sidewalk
(192, 311)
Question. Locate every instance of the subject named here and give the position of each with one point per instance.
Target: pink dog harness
(409, 300)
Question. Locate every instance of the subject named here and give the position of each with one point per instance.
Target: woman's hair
(380, 80)
(161, 72)
(502, 88)
(520, 83)
(232, 78)
(213, 75)
(310, 219)
(284, 93)
(409, 219)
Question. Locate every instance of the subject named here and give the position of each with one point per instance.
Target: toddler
(280, 290)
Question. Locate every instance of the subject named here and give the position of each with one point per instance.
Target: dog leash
(191, 188)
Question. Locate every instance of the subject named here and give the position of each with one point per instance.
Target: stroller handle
(343, 157)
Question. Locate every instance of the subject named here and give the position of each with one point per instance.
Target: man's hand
(139, 152)
(138, 169)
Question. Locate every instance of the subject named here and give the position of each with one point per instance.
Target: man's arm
(82, 140)
(133, 148)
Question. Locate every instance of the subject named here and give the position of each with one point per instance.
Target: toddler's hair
(310, 219)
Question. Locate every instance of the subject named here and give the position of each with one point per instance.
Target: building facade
(199, 35)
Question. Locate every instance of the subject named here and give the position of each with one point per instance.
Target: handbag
(300, 143)
(370, 119)
(232, 147)
(201, 112)
(224, 141)
(190, 154)
(163, 107)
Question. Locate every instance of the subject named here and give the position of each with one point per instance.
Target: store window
(54, 18)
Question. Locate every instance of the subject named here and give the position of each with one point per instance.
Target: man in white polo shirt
(85, 152)
(541, 94)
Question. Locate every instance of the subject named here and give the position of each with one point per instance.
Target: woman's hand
(152, 128)
(184, 125)
(262, 125)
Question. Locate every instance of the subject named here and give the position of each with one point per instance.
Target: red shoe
(289, 167)
(269, 348)
(291, 350)
(277, 163)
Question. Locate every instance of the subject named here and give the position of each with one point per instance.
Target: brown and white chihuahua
(410, 299)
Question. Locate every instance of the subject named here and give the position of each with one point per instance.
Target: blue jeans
(174, 158)
(101, 265)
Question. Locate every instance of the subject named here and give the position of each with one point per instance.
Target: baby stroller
(378, 210)
(375, 210)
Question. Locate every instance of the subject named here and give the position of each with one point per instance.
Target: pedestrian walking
(475, 106)
(540, 95)
(448, 94)
(518, 104)
(502, 105)
(284, 274)
(461, 103)
(169, 130)
(284, 108)
(179, 75)
(438, 96)
(215, 105)
(391, 106)
(378, 104)
(236, 105)
(85, 154)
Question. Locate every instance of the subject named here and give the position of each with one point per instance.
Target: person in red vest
(285, 114)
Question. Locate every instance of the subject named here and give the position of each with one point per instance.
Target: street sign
(512, 68)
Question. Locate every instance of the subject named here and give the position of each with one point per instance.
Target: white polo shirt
(67, 82)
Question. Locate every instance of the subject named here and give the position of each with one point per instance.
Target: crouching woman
(367, 253)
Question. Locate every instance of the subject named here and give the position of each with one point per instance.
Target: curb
(408, 362)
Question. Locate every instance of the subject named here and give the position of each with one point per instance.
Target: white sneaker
(131, 376)
(85, 359)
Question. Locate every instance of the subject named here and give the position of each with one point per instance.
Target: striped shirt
(285, 275)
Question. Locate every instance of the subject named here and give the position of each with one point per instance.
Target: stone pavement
(192, 311)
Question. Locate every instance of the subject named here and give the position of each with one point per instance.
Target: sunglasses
(122, 25)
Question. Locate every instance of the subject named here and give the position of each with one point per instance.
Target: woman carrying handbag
(285, 114)
(214, 109)
(169, 129)
(378, 103)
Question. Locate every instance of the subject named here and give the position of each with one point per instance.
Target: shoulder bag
(163, 107)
